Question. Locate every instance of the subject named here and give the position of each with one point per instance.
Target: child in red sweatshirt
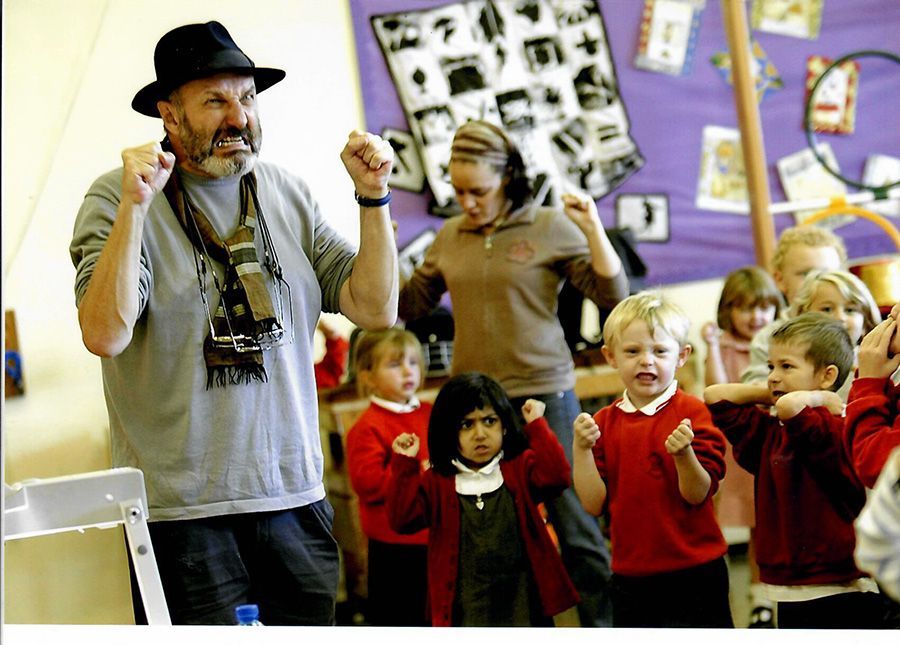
(491, 561)
(807, 494)
(872, 428)
(389, 370)
(654, 459)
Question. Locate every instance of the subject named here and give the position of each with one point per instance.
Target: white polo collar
(486, 479)
(654, 406)
(399, 408)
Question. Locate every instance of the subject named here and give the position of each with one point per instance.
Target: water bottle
(247, 615)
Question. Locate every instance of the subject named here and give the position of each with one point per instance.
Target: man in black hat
(200, 274)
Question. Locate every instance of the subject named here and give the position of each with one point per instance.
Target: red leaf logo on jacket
(521, 252)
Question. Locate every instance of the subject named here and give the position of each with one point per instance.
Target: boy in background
(807, 494)
(654, 459)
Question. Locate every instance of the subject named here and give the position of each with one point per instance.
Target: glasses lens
(264, 341)
(270, 339)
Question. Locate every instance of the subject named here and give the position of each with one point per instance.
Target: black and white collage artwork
(541, 69)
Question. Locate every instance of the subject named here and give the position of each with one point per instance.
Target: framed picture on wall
(541, 69)
(407, 173)
(646, 214)
(803, 177)
(668, 36)
(834, 105)
(881, 170)
(722, 184)
(796, 18)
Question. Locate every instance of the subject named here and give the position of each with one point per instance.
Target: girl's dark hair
(461, 395)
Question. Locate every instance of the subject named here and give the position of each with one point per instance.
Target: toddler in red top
(329, 370)
(654, 459)
(388, 367)
(807, 494)
(872, 428)
(491, 561)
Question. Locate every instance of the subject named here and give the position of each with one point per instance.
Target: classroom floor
(353, 613)
(738, 578)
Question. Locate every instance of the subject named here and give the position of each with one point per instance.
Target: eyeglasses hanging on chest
(250, 316)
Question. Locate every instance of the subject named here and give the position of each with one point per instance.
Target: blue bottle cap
(247, 613)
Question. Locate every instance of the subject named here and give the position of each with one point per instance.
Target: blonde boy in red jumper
(653, 460)
(807, 494)
(389, 370)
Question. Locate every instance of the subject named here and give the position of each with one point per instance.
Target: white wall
(70, 70)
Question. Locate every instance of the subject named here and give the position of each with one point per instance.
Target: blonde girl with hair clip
(844, 297)
(389, 370)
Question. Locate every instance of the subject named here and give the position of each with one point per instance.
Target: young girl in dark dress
(491, 561)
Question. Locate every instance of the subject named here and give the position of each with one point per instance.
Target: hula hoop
(807, 117)
(840, 207)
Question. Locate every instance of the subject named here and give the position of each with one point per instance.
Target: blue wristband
(368, 202)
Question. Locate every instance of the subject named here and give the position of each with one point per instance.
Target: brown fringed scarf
(243, 291)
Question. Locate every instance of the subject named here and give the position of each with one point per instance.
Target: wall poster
(541, 69)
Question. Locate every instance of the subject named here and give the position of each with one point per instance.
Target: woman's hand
(582, 210)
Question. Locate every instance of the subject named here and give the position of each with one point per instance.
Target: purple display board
(668, 114)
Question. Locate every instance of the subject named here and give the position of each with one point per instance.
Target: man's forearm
(369, 297)
(110, 305)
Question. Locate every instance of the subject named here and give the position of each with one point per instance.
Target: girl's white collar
(486, 479)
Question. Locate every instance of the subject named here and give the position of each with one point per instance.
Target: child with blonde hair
(389, 371)
(844, 297)
(653, 460)
(840, 295)
(807, 494)
(800, 250)
(491, 561)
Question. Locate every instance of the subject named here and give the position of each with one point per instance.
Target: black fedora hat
(197, 51)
